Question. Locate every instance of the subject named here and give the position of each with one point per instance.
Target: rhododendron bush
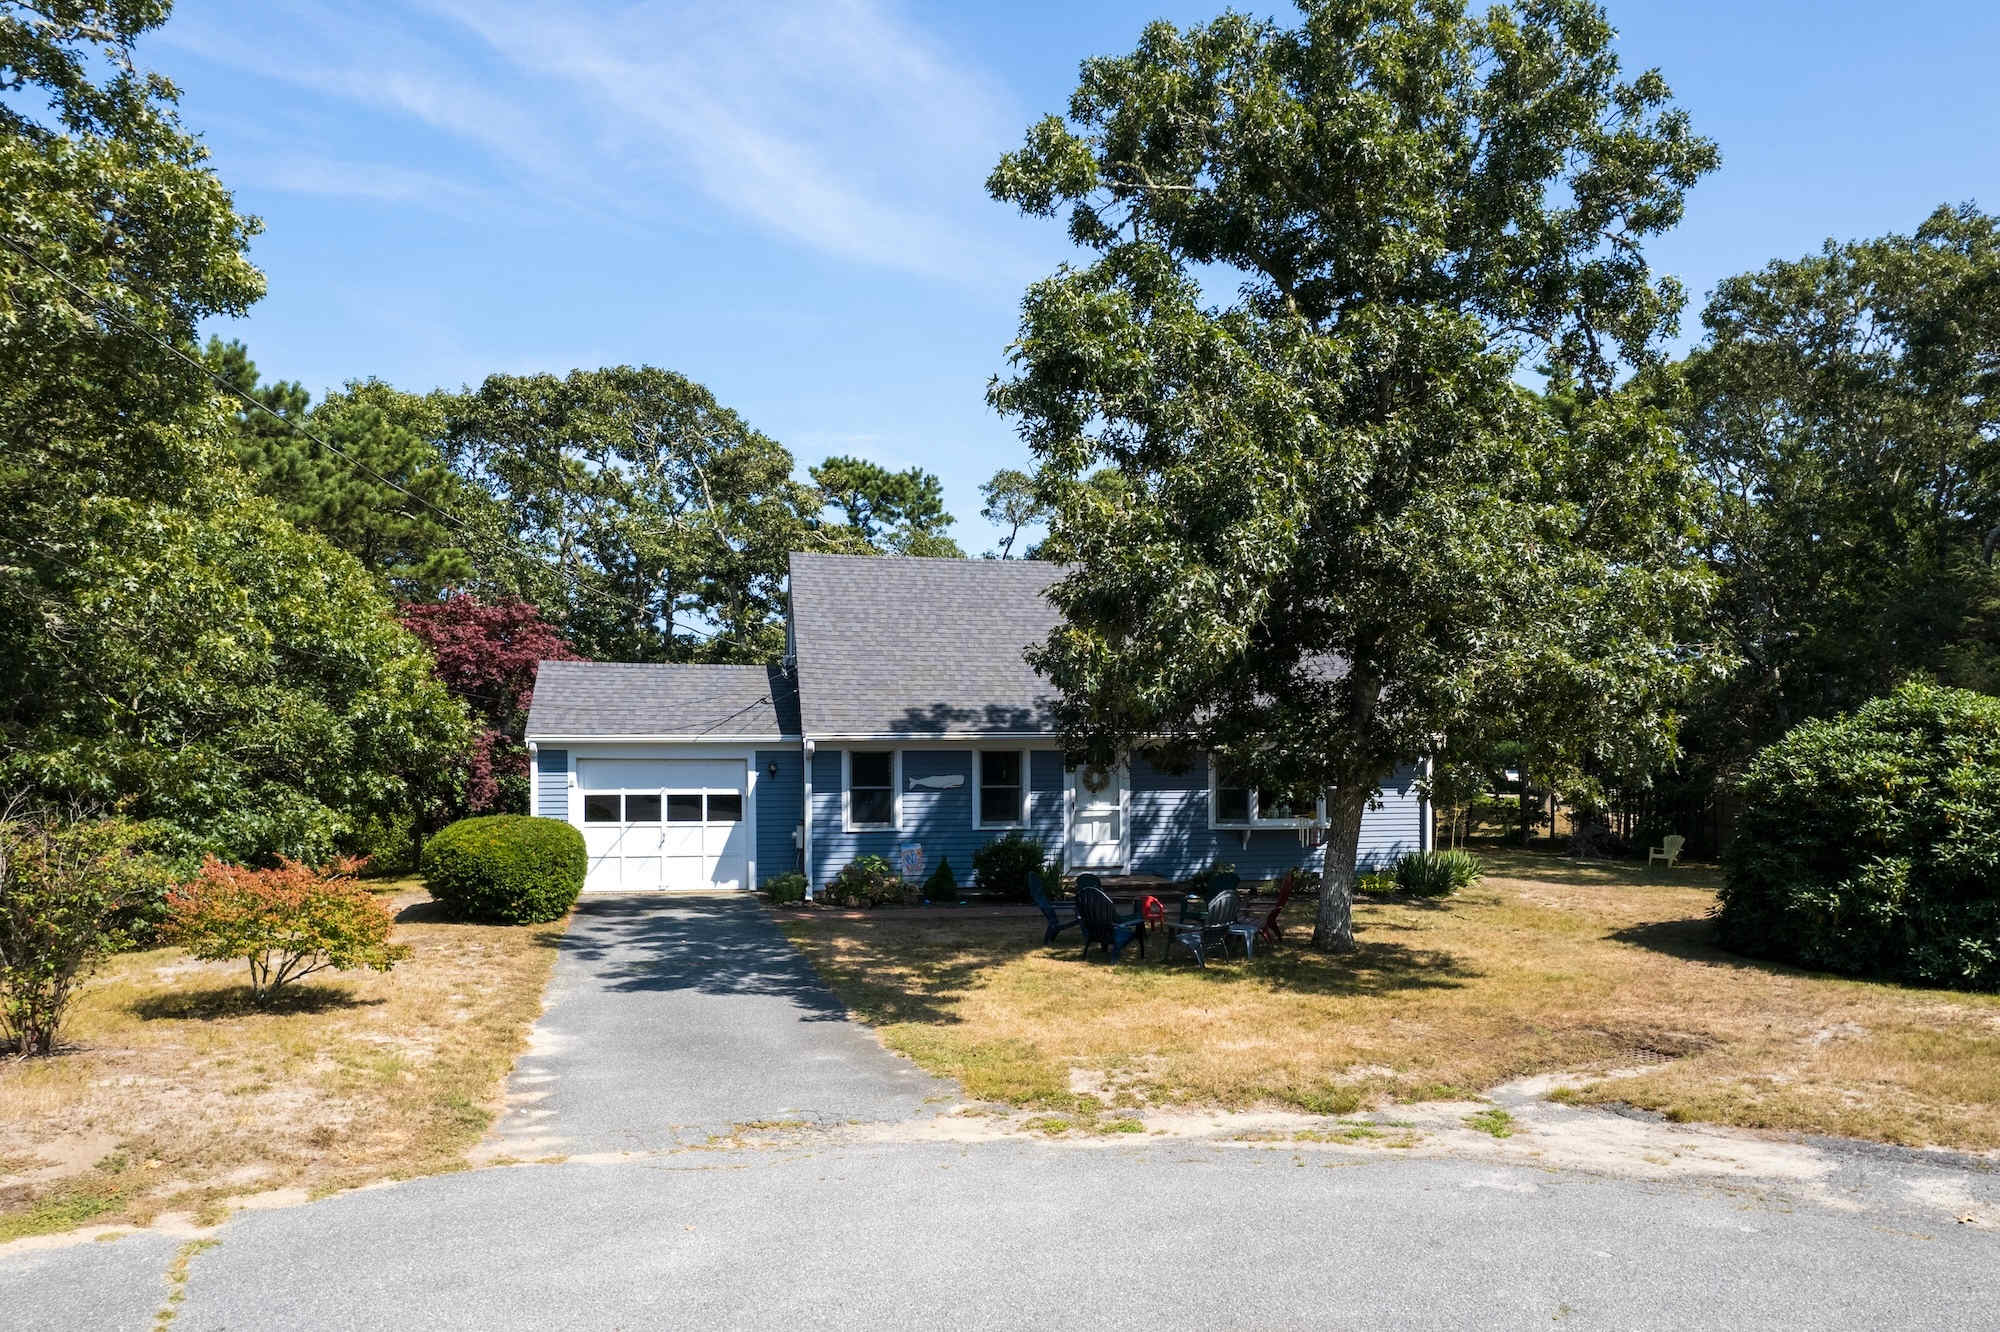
(287, 923)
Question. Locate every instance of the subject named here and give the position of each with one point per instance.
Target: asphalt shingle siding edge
(903, 646)
(580, 699)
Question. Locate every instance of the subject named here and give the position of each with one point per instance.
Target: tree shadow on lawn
(1692, 939)
(903, 974)
(427, 912)
(218, 1002)
(715, 944)
(1377, 967)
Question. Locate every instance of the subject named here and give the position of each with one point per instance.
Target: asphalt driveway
(672, 1019)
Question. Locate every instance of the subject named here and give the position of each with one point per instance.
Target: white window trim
(1027, 786)
(847, 823)
(1253, 823)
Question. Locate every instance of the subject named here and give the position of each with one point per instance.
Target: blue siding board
(941, 821)
(1171, 836)
(1170, 833)
(552, 783)
(780, 802)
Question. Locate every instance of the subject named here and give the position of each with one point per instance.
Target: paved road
(666, 1024)
(989, 1235)
(673, 1019)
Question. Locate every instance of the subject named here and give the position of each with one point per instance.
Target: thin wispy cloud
(841, 128)
(337, 179)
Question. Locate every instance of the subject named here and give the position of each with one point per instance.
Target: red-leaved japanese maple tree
(486, 654)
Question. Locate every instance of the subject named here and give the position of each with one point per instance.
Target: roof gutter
(698, 738)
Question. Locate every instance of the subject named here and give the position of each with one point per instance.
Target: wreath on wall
(1095, 777)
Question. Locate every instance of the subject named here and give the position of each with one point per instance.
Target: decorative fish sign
(950, 783)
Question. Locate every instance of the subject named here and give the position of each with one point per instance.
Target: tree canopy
(173, 644)
(227, 674)
(1345, 530)
(900, 512)
(1011, 503)
(1842, 411)
(652, 520)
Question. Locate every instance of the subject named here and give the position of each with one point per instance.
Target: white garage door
(664, 823)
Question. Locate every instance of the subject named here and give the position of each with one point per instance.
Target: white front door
(1099, 836)
(664, 823)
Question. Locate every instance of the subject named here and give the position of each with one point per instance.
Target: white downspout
(534, 780)
(806, 819)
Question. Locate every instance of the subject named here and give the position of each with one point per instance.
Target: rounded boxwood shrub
(1870, 844)
(506, 869)
(1003, 865)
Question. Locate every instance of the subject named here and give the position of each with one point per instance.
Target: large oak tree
(1323, 255)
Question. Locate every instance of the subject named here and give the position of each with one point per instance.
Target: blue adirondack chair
(1059, 918)
(1211, 932)
(1103, 926)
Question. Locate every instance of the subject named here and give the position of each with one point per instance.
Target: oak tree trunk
(1333, 927)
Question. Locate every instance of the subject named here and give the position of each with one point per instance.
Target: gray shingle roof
(894, 646)
(575, 699)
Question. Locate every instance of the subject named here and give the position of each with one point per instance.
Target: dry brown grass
(178, 1093)
(1544, 967)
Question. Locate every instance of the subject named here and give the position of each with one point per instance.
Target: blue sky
(783, 201)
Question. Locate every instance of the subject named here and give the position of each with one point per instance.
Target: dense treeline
(206, 598)
(1840, 417)
(209, 605)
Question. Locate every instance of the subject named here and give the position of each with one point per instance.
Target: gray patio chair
(1211, 932)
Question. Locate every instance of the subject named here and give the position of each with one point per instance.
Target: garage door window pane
(600, 809)
(642, 808)
(725, 807)
(684, 809)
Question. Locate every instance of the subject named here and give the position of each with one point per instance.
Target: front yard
(1545, 967)
(179, 1094)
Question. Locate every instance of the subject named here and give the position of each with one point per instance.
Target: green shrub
(65, 881)
(1869, 844)
(786, 888)
(869, 881)
(1203, 881)
(1378, 881)
(1438, 873)
(1003, 865)
(942, 886)
(507, 869)
(385, 843)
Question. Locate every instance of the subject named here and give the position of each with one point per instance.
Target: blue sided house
(903, 723)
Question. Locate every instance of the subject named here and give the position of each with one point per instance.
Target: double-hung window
(1234, 801)
(1002, 794)
(871, 789)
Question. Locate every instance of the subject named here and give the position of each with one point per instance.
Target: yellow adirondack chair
(1668, 850)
